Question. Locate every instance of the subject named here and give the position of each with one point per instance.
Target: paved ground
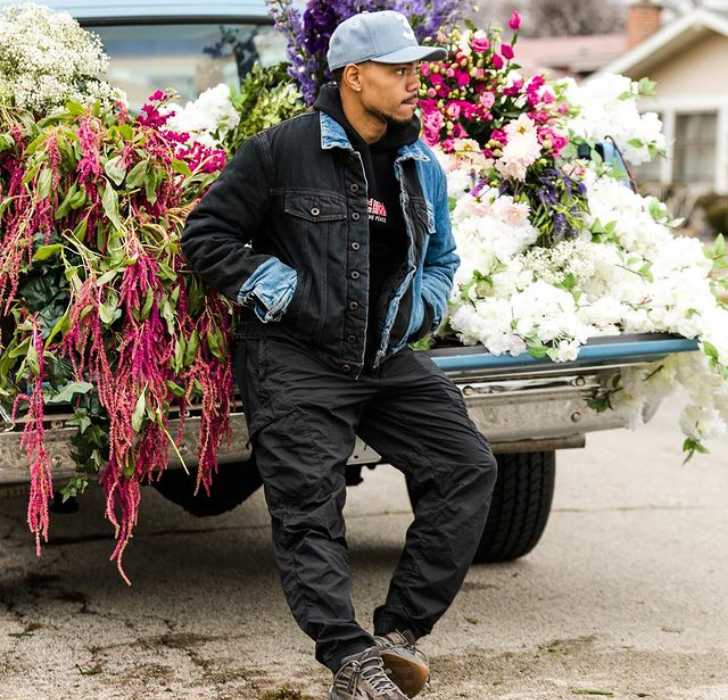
(626, 593)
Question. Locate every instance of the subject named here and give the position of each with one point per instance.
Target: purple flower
(308, 34)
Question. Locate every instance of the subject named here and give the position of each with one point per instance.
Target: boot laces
(372, 670)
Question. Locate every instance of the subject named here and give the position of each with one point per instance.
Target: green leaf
(46, 251)
(215, 343)
(79, 233)
(136, 175)
(65, 205)
(139, 410)
(176, 389)
(150, 186)
(537, 350)
(44, 183)
(115, 170)
(167, 313)
(191, 349)
(60, 326)
(148, 301)
(69, 391)
(179, 355)
(179, 166)
(6, 142)
(110, 202)
(636, 143)
(74, 108)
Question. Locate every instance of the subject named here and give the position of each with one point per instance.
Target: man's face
(389, 91)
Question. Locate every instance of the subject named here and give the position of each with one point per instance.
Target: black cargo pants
(303, 416)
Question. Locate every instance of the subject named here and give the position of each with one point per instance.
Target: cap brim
(413, 53)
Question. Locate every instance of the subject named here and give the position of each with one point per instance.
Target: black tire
(520, 506)
(233, 484)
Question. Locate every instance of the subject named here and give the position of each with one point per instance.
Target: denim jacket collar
(334, 136)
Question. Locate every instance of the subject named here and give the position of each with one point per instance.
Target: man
(332, 232)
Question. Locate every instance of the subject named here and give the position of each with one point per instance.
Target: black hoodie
(388, 239)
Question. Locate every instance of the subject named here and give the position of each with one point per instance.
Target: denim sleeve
(441, 260)
(218, 232)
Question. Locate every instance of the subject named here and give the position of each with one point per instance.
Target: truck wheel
(234, 482)
(520, 506)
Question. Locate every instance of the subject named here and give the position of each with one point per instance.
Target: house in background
(688, 59)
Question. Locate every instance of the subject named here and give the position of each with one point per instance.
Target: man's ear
(351, 77)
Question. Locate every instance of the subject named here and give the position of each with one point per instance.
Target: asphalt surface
(625, 596)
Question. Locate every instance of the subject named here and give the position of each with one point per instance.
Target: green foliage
(267, 96)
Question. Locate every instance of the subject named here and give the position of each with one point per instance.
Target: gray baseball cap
(385, 37)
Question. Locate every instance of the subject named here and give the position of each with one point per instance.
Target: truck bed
(521, 404)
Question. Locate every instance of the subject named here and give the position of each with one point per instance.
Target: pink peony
(515, 21)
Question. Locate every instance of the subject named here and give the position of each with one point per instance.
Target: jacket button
(355, 216)
(353, 305)
(355, 188)
(346, 368)
(355, 275)
(315, 211)
(355, 245)
(351, 338)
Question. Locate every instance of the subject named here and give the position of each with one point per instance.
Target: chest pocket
(315, 206)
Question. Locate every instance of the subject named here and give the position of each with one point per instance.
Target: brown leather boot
(361, 677)
(403, 661)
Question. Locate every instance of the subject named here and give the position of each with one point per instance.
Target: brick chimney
(644, 18)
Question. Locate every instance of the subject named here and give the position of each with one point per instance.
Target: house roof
(570, 54)
(111, 11)
(666, 42)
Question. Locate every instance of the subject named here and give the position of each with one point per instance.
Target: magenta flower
(479, 43)
(463, 78)
(514, 90)
(515, 21)
(507, 51)
(497, 61)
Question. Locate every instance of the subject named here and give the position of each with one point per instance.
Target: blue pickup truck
(528, 408)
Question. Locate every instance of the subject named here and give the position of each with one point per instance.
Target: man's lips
(411, 101)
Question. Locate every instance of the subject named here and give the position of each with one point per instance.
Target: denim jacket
(284, 233)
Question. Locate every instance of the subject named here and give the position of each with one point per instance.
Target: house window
(696, 142)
